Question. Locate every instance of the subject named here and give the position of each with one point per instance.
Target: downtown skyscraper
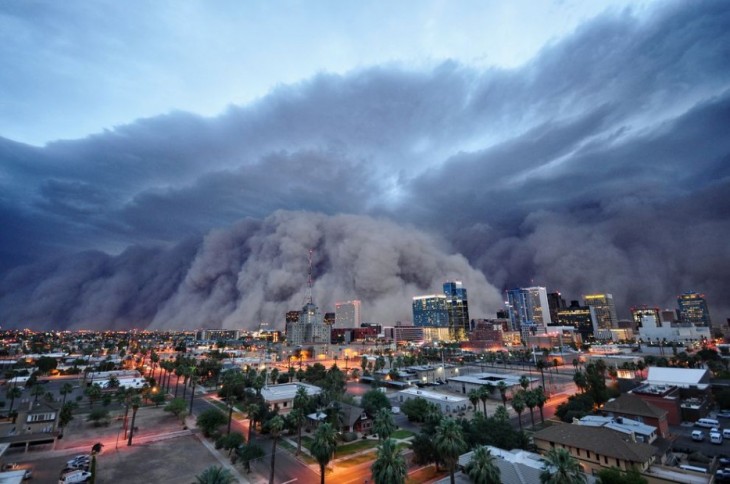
(692, 309)
(458, 307)
(604, 308)
(528, 308)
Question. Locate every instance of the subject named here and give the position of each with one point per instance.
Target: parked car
(75, 476)
(698, 435)
(723, 414)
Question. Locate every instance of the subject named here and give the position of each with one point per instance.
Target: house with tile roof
(596, 447)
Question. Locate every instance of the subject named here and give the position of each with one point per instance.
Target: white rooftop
(287, 391)
(433, 395)
(681, 377)
(625, 425)
(493, 378)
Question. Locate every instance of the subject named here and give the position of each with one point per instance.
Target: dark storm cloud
(598, 166)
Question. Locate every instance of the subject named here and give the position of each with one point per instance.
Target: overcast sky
(579, 145)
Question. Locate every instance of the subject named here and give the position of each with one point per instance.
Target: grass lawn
(425, 475)
(358, 459)
(293, 449)
(402, 434)
(357, 446)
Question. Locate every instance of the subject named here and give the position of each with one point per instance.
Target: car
(723, 414)
(698, 435)
(80, 458)
(74, 476)
(724, 461)
(395, 410)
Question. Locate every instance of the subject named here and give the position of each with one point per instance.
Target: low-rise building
(465, 383)
(282, 396)
(446, 403)
(596, 448)
(638, 431)
(632, 406)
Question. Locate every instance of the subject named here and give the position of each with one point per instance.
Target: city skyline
(163, 172)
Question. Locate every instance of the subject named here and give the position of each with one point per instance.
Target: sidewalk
(224, 460)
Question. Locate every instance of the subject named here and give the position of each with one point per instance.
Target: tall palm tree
(323, 447)
(276, 424)
(541, 365)
(541, 400)
(484, 392)
(136, 402)
(252, 410)
(481, 469)
(13, 393)
(531, 403)
(562, 468)
(524, 382)
(502, 387)
(384, 425)
(389, 466)
(36, 392)
(301, 402)
(580, 380)
(474, 397)
(66, 388)
(215, 475)
(449, 444)
(518, 403)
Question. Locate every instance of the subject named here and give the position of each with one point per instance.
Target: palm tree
(541, 365)
(474, 397)
(323, 447)
(276, 424)
(541, 400)
(384, 425)
(561, 468)
(252, 411)
(389, 466)
(531, 403)
(580, 381)
(518, 403)
(136, 402)
(215, 475)
(36, 392)
(66, 388)
(502, 387)
(301, 401)
(481, 469)
(449, 444)
(484, 392)
(13, 393)
(524, 382)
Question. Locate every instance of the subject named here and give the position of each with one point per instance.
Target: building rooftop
(287, 391)
(493, 378)
(681, 377)
(625, 425)
(601, 441)
(515, 466)
(433, 395)
(629, 404)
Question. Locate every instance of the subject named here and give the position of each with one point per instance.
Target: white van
(726, 433)
(75, 476)
(698, 435)
(707, 422)
(716, 437)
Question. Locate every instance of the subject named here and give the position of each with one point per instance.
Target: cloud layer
(601, 165)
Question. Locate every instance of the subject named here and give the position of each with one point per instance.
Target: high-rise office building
(458, 308)
(347, 314)
(309, 326)
(692, 309)
(555, 303)
(644, 313)
(528, 308)
(430, 310)
(582, 318)
(606, 317)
